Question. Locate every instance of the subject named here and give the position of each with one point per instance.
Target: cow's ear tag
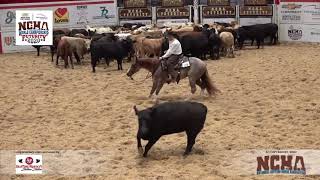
(135, 109)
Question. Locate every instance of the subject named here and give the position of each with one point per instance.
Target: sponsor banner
(34, 27)
(55, 162)
(299, 32)
(252, 21)
(290, 13)
(61, 15)
(8, 43)
(68, 14)
(135, 13)
(311, 13)
(161, 22)
(299, 13)
(147, 22)
(222, 20)
(7, 18)
(103, 14)
(82, 14)
(273, 162)
(28, 164)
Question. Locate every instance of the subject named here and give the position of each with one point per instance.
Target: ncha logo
(281, 164)
(295, 33)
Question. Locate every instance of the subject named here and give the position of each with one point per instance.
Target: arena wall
(298, 20)
(67, 14)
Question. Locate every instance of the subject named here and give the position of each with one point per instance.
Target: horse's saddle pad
(184, 62)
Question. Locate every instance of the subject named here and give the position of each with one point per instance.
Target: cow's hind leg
(57, 61)
(140, 149)
(151, 142)
(77, 57)
(71, 62)
(191, 135)
(52, 52)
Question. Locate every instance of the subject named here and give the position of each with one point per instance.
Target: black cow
(79, 31)
(110, 50)
(132, 26)
(257, 32)
(215, 44)
(196, 43)
(168, 118)
(104, 37)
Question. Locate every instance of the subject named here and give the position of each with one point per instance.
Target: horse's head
(135, 67)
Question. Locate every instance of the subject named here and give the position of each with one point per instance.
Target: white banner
(160, 22)
(8, 43)
(253, 21)
(66, 14)
(299, 21)
(222, 20)
(311, 13)
(142, 21)
(299, 32)
(290, 13)
(34, 27)
(70, 14)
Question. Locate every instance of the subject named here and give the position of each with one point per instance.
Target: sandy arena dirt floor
(270, 100)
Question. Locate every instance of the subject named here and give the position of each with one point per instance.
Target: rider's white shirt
(174, 49)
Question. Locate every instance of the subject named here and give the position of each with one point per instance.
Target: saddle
(183, 63)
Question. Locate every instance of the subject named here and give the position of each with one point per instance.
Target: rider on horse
(172, 56)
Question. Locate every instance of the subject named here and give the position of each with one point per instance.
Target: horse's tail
(206, 80)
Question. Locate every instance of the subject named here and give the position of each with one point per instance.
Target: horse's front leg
(153, 89)
(159, 86)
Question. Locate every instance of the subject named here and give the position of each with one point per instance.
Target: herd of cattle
(128, 40)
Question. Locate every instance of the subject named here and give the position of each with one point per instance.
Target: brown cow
(79, 46)
(65, 51)
(146, 47)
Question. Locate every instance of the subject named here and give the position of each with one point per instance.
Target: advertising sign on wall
(66, 14)
(290, 13)
(253, 21)
(299, 21)
(221, 20)
(8, 40)
(34, 27)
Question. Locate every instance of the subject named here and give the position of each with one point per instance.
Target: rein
(150, 74)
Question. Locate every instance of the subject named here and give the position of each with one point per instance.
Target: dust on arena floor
(270, 100)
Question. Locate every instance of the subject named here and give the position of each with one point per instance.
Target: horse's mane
(149, 63)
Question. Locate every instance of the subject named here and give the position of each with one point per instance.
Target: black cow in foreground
(110, 50)
(169, 118)
(257, 32)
